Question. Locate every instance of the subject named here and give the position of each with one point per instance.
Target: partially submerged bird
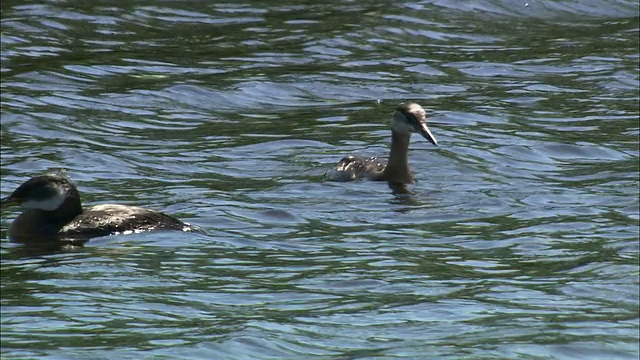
(407, 118)
(53, 210)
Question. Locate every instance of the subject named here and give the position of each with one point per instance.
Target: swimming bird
(53, 210)
(407, 119)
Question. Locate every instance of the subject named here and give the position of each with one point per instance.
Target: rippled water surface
(519, 239)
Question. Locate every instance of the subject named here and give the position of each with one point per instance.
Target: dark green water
(520, 240)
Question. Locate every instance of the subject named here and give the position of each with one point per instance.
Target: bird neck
(397, 169)
(69, 210)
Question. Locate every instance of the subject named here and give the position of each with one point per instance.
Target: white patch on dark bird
(49, 204)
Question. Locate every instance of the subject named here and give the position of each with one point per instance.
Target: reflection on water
(519, 237)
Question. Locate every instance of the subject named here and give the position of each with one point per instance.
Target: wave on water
(541, 9)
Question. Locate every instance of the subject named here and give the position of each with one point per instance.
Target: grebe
(53, 211)
(407, 118)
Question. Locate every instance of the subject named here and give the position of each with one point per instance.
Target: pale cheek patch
(47, 205)
(402, 127)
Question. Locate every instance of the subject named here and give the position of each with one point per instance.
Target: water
(519, 241)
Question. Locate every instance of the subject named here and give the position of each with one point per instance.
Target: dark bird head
(47, 192)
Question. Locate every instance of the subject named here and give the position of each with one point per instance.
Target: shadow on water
(30, 248)
(403, 195)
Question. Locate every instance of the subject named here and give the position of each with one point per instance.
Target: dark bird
(53, 210)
